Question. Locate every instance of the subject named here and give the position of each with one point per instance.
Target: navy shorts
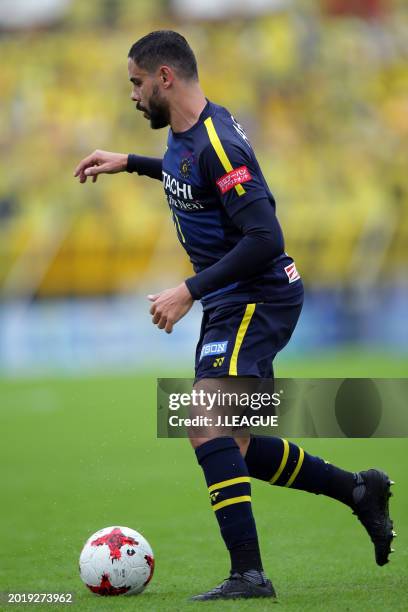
(243, 339)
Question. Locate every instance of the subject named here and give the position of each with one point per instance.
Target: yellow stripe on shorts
(220, 151)
(249, 311)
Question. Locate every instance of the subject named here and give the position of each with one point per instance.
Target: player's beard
(159, 110)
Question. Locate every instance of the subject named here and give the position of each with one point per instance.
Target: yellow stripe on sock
(297, 468)
(220, 151)
(228, 483)
(249, 311)
(232, 500)
(282, 463)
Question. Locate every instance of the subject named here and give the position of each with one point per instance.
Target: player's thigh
(237, 346)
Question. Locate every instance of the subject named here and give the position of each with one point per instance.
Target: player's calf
(283, 463)
(229, 489)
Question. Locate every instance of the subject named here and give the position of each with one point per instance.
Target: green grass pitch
(78, 454)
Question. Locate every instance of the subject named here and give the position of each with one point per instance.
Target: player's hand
(170, 306)
(100, 162)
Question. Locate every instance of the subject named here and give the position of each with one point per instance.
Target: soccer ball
(116, 561)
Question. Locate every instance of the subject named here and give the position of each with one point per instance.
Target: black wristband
(132, 165)
(191, 284)
(147, 166)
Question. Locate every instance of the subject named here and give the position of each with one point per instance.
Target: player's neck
(187, 108)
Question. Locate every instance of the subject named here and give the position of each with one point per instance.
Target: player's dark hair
(165, 47)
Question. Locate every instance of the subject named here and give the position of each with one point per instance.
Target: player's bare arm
(170, 306)
(106, 162)
(100, 162)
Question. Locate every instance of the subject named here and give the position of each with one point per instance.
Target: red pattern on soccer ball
(106, 588)
(150, 563)
(115, 540)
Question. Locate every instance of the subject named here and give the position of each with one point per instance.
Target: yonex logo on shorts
(214, 348)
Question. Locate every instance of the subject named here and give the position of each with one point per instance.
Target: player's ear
(166, 75)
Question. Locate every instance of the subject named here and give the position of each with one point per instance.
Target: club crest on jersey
(214, 348)
(185, 167)
(292, 274)
(233, 178)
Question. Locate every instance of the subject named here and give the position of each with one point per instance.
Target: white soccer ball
(116, 561)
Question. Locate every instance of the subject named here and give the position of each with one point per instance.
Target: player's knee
(243, 442)
(196, 442)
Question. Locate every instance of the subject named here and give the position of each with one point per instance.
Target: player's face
(146, 93)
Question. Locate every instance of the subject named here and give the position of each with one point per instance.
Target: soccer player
(251, 292)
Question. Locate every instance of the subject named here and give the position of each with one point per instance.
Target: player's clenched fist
(100, 162)
(170, 306)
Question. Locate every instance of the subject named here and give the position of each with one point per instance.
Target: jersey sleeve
(229, 168)
(261, 243)
(145, 166)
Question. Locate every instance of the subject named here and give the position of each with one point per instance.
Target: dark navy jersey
(210, 172)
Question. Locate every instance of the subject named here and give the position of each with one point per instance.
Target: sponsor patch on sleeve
(292, 274)
(233, 178)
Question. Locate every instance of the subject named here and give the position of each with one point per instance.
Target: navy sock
(229, 487)
(285, 464)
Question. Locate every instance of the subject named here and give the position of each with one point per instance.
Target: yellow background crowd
(324, 102)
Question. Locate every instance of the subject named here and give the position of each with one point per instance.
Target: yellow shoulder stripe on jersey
(249, 311)
(230, 501)
(228, 483)
(282, 463)
(220, 151)
(297, 468)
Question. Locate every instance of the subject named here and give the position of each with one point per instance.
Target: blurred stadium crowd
(324, 100)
